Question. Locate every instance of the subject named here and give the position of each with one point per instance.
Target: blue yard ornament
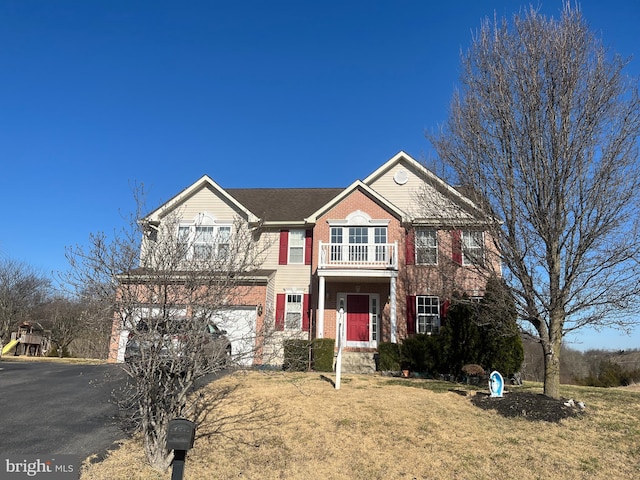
(496, 384)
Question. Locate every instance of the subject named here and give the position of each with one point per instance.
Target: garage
(240, 324)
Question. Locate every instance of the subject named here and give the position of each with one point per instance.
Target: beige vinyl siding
(271, 238)
(402, 196)
(418, 199)
(207, 200)
(293, 276)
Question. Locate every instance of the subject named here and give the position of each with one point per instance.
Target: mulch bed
(527, 405)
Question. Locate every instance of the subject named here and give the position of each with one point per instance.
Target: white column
(392, 311)
(320, 317)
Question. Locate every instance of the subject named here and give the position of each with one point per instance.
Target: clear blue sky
(97, 95)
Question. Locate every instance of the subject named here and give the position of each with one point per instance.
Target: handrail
(358, 255)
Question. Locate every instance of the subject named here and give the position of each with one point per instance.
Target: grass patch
(377, 428)
(65, 360)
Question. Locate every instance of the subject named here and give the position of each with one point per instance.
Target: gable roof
(463, 196)
(300, 206)
(204, 181)
(357, 185)
(283, 204)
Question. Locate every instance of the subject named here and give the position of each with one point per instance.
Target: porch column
(320, 317)
(392, 310)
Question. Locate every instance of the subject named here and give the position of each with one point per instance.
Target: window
(296, 246)
(380, 237)
(374, 318)
(203, 242)
(358, 239)
(203, 245)
(183, 240)
(427, 315)
(472, 247)
(359, 244)
(336, 244)
(426, 247)
(223, 239)
(293, 312)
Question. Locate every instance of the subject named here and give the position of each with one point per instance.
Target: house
(384, 255)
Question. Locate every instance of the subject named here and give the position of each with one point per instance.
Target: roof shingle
(283, 204)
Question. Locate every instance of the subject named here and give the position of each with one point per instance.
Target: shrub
(473, 369)
(610, 374)
(422, 353)
(296, 355)
(389, 356)
(323, 354)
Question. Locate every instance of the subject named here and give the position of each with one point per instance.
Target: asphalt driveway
(54, 409)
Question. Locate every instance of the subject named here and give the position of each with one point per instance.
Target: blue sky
(98, 95)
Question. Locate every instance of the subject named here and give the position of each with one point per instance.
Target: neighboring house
(385, 254)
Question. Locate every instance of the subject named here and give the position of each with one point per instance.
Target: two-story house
(382, 256)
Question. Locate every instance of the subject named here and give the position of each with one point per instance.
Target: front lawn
(297, 426)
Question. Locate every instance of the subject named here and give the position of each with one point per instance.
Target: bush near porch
(297, 355)
(483, 333)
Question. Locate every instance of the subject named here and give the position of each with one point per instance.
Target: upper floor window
(203, 242)
(472, 247)
(363, 244)
(296, 246)
(426, 246)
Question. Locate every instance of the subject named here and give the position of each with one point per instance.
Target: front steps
(358, 362)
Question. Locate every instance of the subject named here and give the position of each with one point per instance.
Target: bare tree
(169, 296)
(21, 290)
(64, 319)
(545, 127)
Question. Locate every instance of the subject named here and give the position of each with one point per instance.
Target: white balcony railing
(359, 255)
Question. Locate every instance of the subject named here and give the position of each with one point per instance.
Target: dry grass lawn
(382, 428)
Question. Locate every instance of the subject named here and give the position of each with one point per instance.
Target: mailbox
(180, 434)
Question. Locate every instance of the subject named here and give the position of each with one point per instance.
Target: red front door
(358, 318)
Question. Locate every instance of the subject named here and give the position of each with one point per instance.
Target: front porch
(363, 307)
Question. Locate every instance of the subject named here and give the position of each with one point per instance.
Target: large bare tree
(168, 294)
(22, 289)
(545, 126)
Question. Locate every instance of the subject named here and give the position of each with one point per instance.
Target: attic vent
(401, 177)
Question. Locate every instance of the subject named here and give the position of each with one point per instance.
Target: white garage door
(240, 324)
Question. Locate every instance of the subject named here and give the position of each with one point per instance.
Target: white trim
(402, 156)
(481, 247)
(431, 304)
(203, 219)
(298, 327)
(359, 344)
(304, 241)
(350, 189)
(202, 182)
(415, 245)
(330, 272)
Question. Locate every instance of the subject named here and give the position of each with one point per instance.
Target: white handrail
(358, 255)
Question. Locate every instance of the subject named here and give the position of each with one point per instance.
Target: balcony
(359, 255)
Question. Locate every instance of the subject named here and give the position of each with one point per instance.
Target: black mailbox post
(180, 436)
